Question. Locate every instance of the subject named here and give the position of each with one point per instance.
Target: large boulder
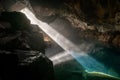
(22, 49)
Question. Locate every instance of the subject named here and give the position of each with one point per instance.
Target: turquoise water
(90, 64)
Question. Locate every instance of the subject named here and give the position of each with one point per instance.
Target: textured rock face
(22, 50)
(97, 16)
(19, 32)
(93, 11)
(93, 19)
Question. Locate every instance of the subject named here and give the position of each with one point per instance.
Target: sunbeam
(61, 58)
(89, 63)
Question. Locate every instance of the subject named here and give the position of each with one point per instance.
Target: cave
(59, 39)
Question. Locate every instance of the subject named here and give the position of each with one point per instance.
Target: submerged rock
(99, 76)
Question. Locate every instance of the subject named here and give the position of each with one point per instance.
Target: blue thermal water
(92, 65)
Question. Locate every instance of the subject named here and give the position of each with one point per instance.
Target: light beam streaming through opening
(89, 63)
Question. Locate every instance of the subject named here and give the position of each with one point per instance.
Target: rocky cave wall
(93, 19)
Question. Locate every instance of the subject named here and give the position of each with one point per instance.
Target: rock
(117, 27)
(22, 50)
(8, 65)
(17, 20)
(42, 68)
(116, 40)
(117, 21)
(99, 76)
(35, 66)
(117, 18)
(39, 67)
(21, 33)
(91, 11)
(92, 27)
(105, 28)
(104, 37)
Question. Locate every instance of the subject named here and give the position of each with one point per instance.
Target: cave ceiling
(91, 11)
(102, 17)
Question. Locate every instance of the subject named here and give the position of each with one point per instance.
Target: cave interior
(59, 39)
